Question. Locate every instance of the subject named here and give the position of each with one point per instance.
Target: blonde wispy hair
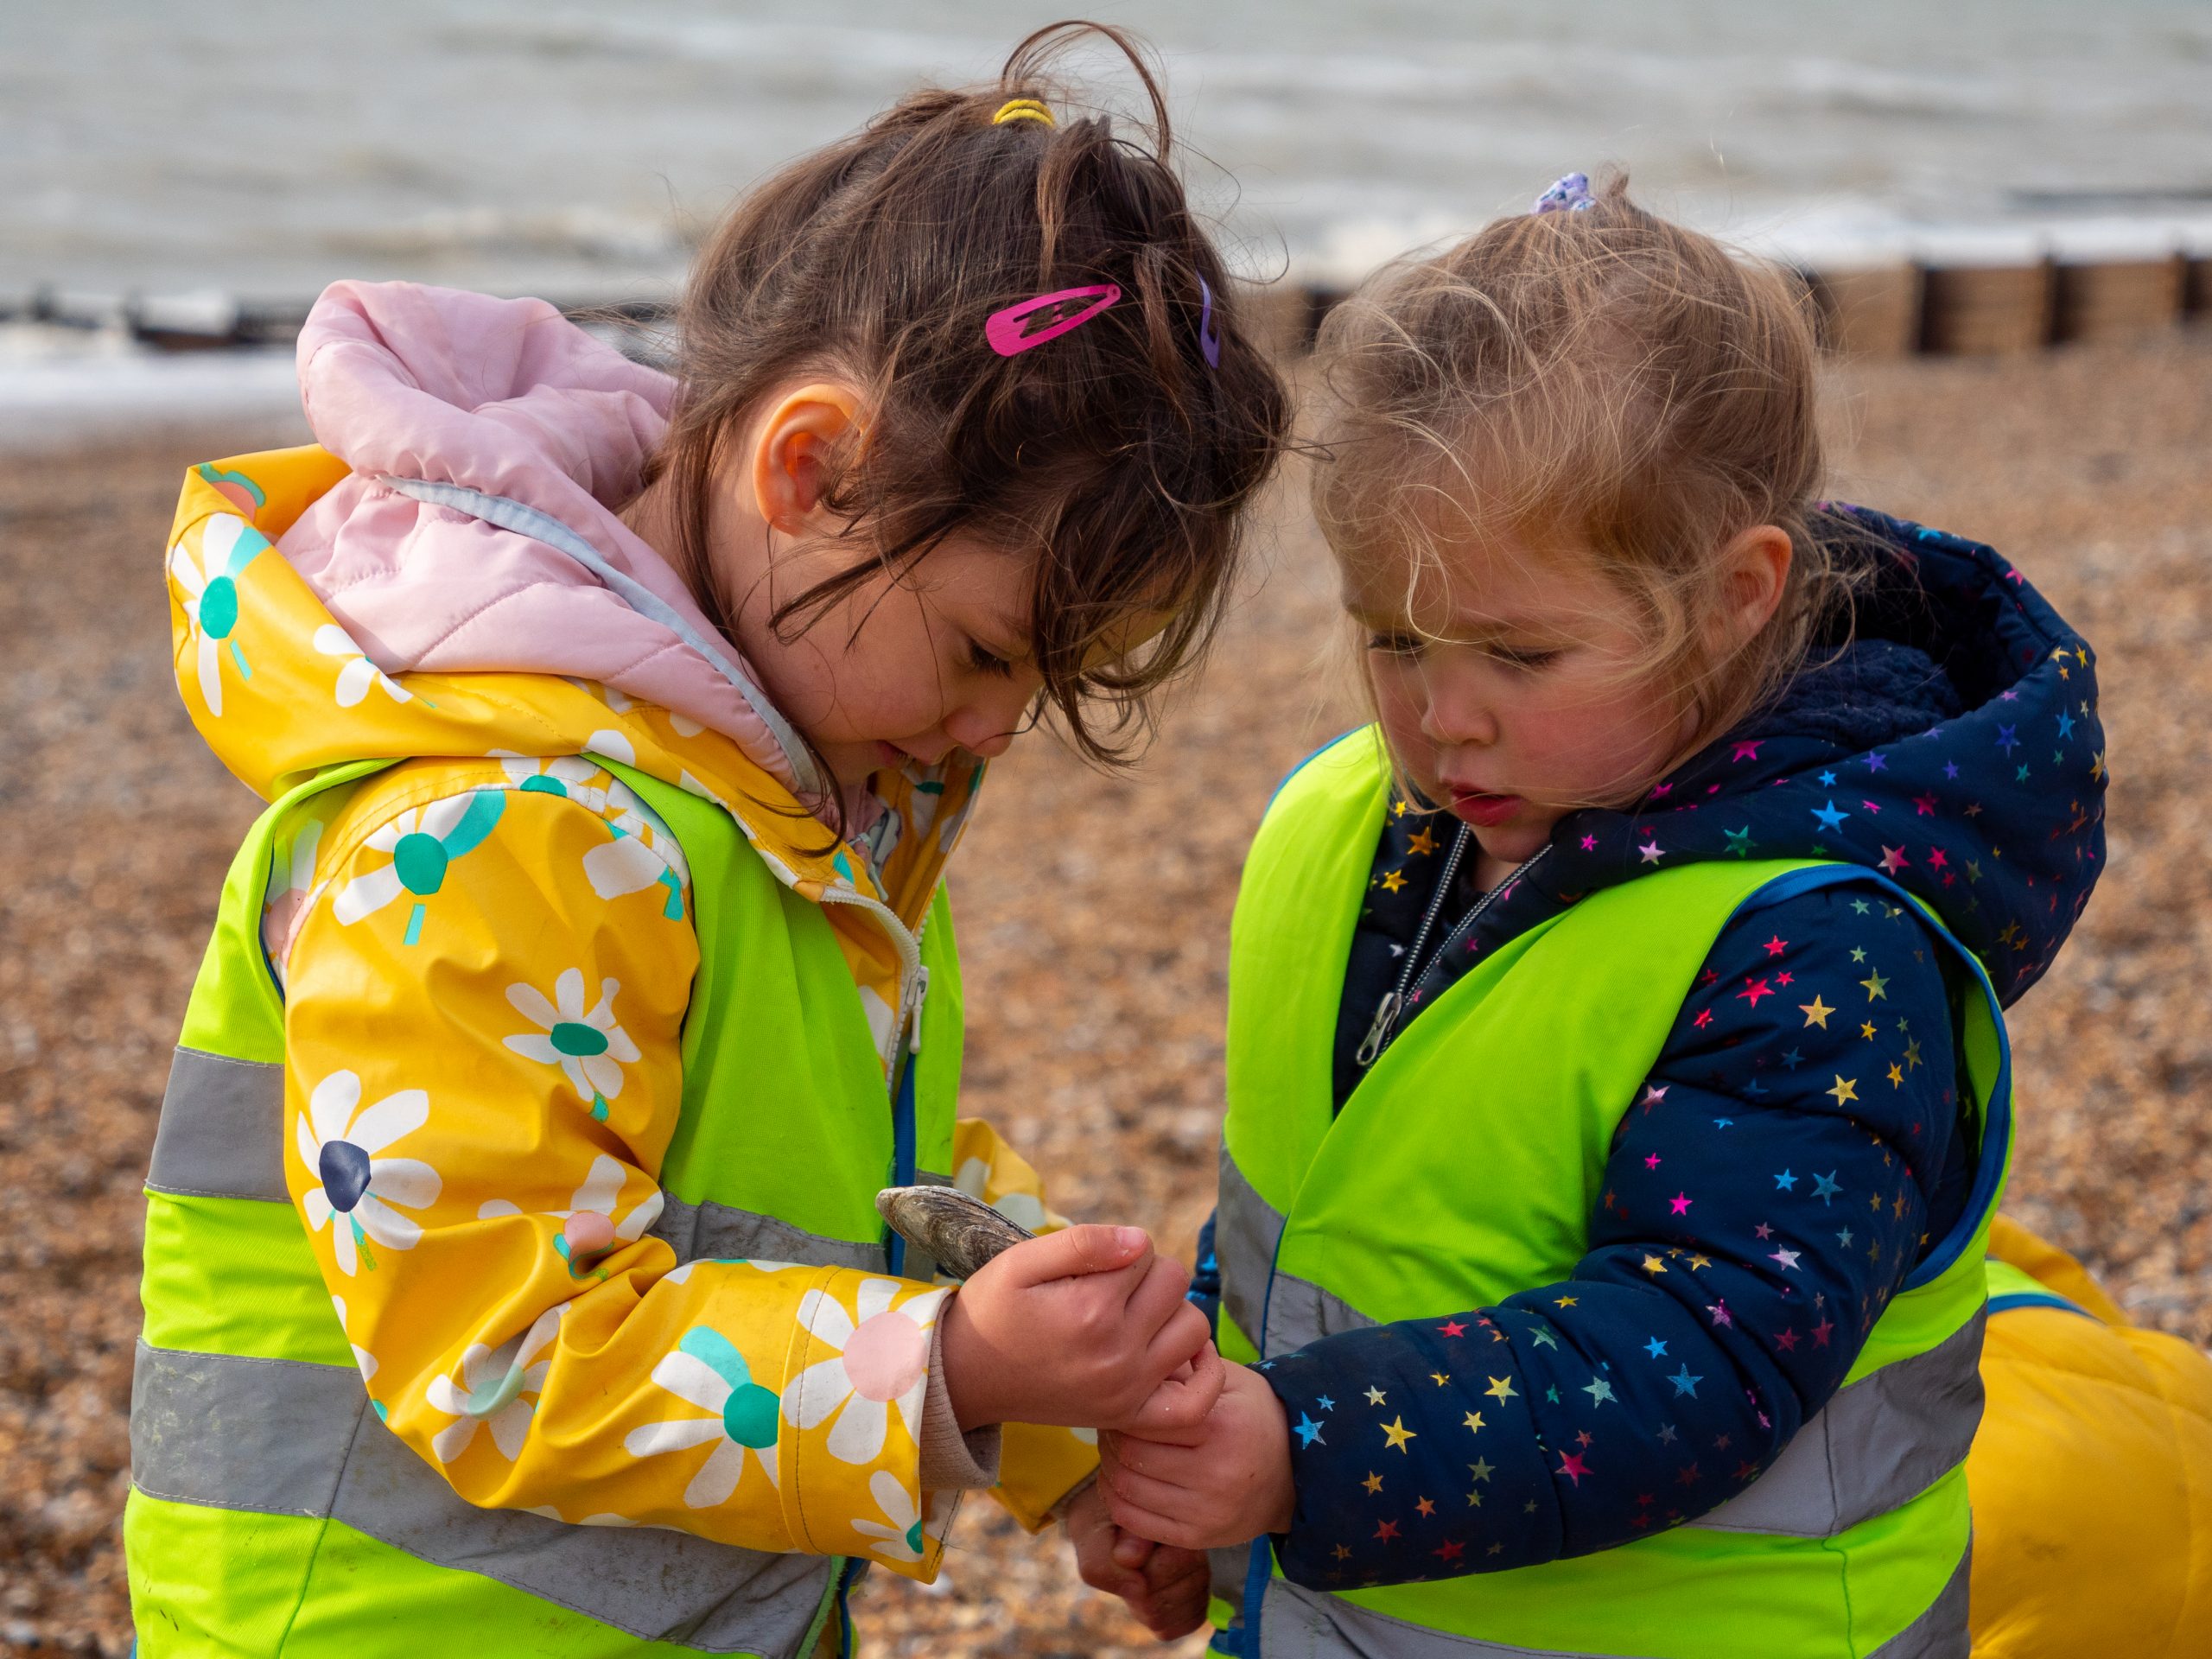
(1601, 380)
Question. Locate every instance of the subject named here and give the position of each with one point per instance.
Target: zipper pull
(921, 1001)
(1371, 1044)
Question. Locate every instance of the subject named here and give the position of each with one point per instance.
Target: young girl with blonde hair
(1618, 1100)
(513, 1280)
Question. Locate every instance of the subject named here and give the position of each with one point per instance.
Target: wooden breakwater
(1909, 308)
(1896, 310)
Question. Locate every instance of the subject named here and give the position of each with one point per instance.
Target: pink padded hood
(509, 398)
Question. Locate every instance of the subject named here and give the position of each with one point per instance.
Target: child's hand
(1226, 1482)
(1166, 1588)
(1085, 1327)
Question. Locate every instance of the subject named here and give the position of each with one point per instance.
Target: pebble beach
(1093, 912)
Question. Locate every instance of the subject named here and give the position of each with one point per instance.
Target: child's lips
(1483, 809)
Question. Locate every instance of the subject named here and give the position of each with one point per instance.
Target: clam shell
(959, 1233)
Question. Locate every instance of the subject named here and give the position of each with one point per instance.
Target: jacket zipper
(913, 978)
(1386, 1012)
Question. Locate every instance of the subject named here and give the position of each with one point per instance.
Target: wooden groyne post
(1913, 309)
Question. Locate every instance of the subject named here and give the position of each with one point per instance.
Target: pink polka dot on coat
(589, 1233)
(887, 1357)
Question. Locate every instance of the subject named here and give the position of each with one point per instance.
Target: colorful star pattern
(1727, 1284)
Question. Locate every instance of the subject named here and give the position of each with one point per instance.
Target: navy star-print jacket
(1797, 1143)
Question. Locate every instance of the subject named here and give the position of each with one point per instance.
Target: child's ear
(793, 449)
(1754, 570)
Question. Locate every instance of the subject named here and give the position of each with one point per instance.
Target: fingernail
(1131, 1238)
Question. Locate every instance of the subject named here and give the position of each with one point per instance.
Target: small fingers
(1148, 1491)
(1135, 1553)
(1161, 1460)
(1178, 1408)
(1074, 1252)
(1155, 1301)
(1181, 1338)
(1151, 1523)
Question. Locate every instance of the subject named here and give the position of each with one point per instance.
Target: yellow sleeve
(484, 1003)
(1038, 1466)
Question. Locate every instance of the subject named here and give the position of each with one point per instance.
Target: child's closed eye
(1392, 644)
(1525, 657)
(984, 660)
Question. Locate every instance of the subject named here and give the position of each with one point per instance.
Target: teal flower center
(420, 860)
(543, 784)
(914, 1537)
(218, 608)
(573, 1037)
(749, 1415)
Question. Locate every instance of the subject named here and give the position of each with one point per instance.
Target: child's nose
(1456, 715)
(985, 727)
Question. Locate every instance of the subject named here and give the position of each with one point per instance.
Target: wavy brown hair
(1116, 459)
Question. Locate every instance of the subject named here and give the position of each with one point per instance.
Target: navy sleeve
(1766, 1194)
(1205, 1277)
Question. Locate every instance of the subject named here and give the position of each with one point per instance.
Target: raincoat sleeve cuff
(952, 1457)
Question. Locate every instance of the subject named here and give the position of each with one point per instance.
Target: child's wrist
(966, 1374)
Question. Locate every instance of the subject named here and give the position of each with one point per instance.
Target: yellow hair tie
(1023, 108)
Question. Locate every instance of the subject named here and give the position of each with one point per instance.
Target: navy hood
(1952, 744)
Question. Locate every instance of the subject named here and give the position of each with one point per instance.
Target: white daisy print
(881, 1361)
(587, 1043)
(705, 1371)
(423, 841)
(594, 1223)
(227, 545)
(364, 1361)
(1022, 1209)
(358, 1193)
(909, 1536)
(359, 676)
(567, 775)
(497, 1390)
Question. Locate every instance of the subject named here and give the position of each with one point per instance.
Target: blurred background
(171, 172)
(190, 158)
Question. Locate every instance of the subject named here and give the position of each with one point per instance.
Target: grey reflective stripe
(1300, 1312)
(1877, 1444)
(1298, 1624)
(1226, 1570)
(282, 1437)
(1245, 1230)
(221, 1134)
(1943, 1631)
(719, 1231)
(1293, 1311)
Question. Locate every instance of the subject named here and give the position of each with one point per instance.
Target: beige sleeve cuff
(952, 1459)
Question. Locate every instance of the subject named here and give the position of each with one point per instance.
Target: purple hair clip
(1570, 195)
(1209, 336)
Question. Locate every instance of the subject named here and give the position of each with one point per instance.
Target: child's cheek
(1399, 707)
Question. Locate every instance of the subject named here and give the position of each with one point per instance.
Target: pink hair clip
(1047, 317)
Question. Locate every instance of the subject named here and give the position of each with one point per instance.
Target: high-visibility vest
(289, 1519)
(1463, 1169)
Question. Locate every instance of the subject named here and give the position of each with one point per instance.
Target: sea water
(262, 149)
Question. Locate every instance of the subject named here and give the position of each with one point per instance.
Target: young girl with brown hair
(512, 1274)
(1618, 1103)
